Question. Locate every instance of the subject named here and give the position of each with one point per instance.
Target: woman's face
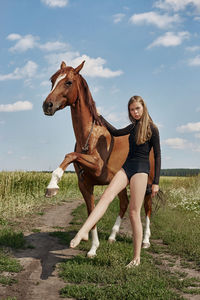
(136, 110)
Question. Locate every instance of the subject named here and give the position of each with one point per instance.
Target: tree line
(180, 172)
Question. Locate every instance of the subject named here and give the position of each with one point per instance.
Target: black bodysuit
(138, 157)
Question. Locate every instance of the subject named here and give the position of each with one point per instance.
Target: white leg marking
(95, 243)
(56, 175)
(115, 229)
(147, 233)
(57, 81)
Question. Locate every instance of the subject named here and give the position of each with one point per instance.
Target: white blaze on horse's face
(57, 81)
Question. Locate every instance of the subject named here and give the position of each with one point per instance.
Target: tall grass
(177, 224)
(22, 193)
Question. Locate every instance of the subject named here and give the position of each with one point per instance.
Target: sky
(130, 47)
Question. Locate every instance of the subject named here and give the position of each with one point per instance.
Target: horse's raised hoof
(146, 245)
(111, 241)
(51, 192)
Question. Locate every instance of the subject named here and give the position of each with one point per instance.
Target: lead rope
(85, 148)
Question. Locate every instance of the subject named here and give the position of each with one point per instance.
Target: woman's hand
(155, 189)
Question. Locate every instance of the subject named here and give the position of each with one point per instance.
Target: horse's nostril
(50, 104)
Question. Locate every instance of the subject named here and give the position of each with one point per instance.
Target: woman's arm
(117, 132)
(155, 140)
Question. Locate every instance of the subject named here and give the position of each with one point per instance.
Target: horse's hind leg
(148, 210)
(123, 207)
(87, 192)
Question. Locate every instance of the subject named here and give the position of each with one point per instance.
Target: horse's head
(64, 89)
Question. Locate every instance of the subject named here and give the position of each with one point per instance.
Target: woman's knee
(134, 213)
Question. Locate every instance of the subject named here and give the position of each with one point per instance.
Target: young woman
(143, 136)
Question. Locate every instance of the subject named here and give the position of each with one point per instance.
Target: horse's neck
(82, 121)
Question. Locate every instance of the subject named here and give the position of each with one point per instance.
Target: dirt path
(39, 279)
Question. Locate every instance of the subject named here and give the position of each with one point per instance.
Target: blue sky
(147, 48)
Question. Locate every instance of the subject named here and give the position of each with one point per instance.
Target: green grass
(178, 224)
(105, 276)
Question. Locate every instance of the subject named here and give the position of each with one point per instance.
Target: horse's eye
(68, 83)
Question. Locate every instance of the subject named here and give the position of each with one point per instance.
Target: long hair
(144, 132)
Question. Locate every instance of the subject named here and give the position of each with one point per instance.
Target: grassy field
(105, 277)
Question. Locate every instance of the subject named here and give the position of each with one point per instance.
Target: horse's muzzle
(48, 108)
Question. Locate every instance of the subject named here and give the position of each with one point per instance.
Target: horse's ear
(77, 70)
(63, 65)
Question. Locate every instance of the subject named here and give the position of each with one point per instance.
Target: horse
(97, 155)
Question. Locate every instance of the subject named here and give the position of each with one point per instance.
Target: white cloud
(55, 3)
(28, 71)
(93, 67)
(119, 119)
(189, 127)
(194, 61)
(118, 18)
(177, 5)
(23, 42)
(53, 46)
(17, 106)
(14, 36)
(159, 69)
(45, 83)
(95, 89)
(170, 39)
(193, 48)
(29, 41)
(176, 143)
(197, 19)
(161, 21)
(196, 148)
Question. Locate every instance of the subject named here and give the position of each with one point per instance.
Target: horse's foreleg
(53, 187)
(123, 207)
(148, 210)
(85, 160)
(87, 192)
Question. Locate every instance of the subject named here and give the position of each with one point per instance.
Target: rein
(85, 148)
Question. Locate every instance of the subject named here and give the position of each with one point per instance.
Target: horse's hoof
(91, 255)
(51, 192)
(146, 245)
(111, 241)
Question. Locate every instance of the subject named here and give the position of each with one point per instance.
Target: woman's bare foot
(134, 263)
(77, 239)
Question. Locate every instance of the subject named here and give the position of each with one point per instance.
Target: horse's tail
(158, 201)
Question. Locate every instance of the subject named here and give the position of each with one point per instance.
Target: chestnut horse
(97, 155)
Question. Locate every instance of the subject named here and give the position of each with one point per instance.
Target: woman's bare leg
(138, 185)
(118, 183)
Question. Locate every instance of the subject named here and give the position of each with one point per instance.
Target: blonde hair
(144, 132)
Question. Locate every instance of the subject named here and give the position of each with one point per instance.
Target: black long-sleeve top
(140, 152)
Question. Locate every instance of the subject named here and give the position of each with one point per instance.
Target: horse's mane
(90, 102)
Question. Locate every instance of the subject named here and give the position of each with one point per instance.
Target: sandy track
(39, 279)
